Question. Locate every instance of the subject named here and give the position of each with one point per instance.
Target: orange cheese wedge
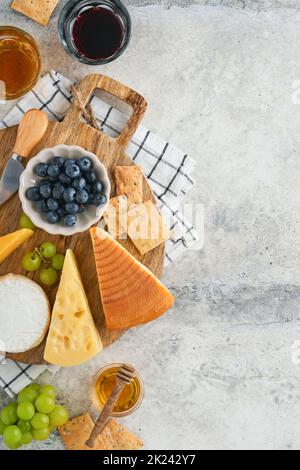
(130, 293)
(12, 241)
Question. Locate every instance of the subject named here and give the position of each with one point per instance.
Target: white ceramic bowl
(89, 217)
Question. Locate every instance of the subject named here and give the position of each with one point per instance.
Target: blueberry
(69, 161)
(64, 178)
(81, 209)
(42, 206)
(79, 183)
(53, 171)
(73, 171)
(33, 193)
(88, 188)
(99, 200)
(52, 217)
(58, 190)
(58, 161)
(61, 212)
(44, 181)
(82, 196)
(53, 179)
(45, 189)
(52, 204)
(91, 198)
(85, 164)
(72, 207)
(41, 169)
(97, 187)
(91, 177)
(69, 194)
(70, 220)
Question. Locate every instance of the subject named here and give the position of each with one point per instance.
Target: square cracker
(38, 10)
(115, 216)
(129, 182)
(146, 228)
(113, 437)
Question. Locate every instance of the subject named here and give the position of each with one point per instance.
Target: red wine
(98, 33)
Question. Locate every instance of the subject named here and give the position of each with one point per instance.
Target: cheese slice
(12, 241)
(130, 293)
(73, 338)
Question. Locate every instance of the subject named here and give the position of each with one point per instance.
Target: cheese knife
(31, 129)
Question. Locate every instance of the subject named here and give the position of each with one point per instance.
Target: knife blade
(31, 130)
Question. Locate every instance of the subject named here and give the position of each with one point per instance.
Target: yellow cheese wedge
(73, 338)
(130, 293)
(12, 241)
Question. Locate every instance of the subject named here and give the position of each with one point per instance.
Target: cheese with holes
(73, 338)
(130, 293)
(12, 241)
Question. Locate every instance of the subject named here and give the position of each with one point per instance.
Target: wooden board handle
(31, 129)
(92, 82)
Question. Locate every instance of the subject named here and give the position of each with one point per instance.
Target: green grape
(28, 394)
(59, 416)
(25, 426)
(13, 446)
(31, 261)
(44, 404)
(26, 438)
(58, 262)
(8, 415)
(25, 410)
(2, 427)
(12, 435)
(41, 434)
(36, 387)
(48, 390)
(48, 276)
(40, 421)
(47, 250)
(52, 428)
(14, 404)
(25, 222)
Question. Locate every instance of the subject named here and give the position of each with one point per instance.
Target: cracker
(129, 182)
(38, 10)
(146, 228)
(113, 437)
(115, 216)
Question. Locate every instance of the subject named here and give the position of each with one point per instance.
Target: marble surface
(222, 79)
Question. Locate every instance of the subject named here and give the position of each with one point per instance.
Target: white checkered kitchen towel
(167, 168)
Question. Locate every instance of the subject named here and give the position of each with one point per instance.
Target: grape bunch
(67, 187)
(45, 258)
(34, 416)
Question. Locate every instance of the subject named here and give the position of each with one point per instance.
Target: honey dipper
(124, 377)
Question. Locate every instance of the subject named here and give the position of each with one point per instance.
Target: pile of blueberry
(67, 187)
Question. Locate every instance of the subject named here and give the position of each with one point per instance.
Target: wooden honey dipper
(124, 377)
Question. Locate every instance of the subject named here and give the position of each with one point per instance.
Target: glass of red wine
(94, 31)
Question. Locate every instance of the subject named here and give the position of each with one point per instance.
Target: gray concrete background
(219, 369)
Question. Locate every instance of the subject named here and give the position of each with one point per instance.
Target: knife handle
(31, 129)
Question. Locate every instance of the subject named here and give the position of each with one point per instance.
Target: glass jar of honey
(20, 62)
(104, 383)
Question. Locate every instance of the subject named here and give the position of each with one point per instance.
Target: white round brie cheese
(24, 313)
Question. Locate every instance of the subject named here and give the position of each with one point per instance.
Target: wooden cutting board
(111, 151)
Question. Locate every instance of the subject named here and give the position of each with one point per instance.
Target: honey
(104, 384)
(19, 62)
